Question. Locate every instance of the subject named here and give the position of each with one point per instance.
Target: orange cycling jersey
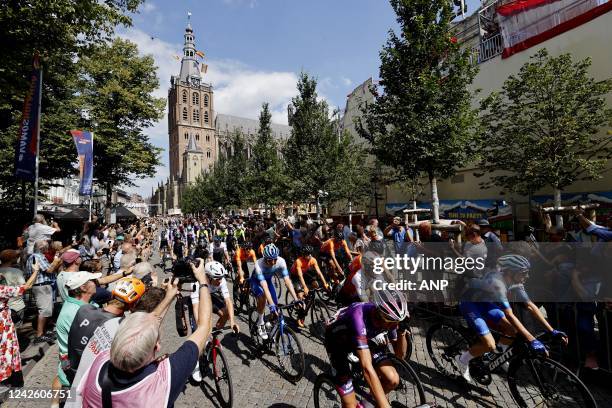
(331, 245)
(243, 255)
(303, 264)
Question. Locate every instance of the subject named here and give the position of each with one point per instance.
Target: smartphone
(33, 261)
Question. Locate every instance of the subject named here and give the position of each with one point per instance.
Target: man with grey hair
(130, 372)
(39, 230)
(42, 289)
(144, 272)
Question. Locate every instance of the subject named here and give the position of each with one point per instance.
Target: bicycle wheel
(540, 381)
(237, 298)
(319, 314)
(409, 392)
(219, 371)
(324, 393)
(252, 313)
(444, 343)
(291, 311)
(289, 353)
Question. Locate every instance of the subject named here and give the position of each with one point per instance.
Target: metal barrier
(490, 48)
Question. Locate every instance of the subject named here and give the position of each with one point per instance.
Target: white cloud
(238, 90)
(346, 81)
(148, 7)
(249, 3)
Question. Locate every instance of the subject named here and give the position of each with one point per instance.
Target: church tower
(193, 162)
(190, 111)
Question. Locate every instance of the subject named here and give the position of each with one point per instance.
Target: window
(459, 178)
(196, 98)
(184, 96)
(197, 137)
(207, 138)
(206, 101)
(196, 115)
(208, 154)
(206, 116)
(186, 136)
(185, 115)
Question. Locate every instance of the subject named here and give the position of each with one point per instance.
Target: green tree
(266, 178)
(62, 31)
(544, 127)
(117, 88)
(321, 159)
(423, 122)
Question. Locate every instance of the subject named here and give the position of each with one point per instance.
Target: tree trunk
(435, 202)
(559, 216)
(318, 209)
(109, 202)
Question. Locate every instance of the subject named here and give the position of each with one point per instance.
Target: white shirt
(221, 287)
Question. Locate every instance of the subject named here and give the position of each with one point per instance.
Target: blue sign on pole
(27, 142)
(84, 144)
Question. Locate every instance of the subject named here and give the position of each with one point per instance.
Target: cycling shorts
(478, 314)
(309, 278)
(163, 244)
(258, 291)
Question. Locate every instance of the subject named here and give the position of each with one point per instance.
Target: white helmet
(392, 304)
(215, 270)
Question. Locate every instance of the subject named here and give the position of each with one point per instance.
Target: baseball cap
(80, 278)
(8, 256)
(70, 256)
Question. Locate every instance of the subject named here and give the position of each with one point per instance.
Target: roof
(249, 126)
(192, 145)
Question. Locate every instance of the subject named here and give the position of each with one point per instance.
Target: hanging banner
(27, 141)
(84, 144)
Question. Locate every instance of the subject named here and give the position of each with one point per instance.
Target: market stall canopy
(124, 214)
(78, 214)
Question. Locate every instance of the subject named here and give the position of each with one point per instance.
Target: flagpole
(91, 190)
(38, 140)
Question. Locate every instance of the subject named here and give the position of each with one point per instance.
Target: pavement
(257, 382)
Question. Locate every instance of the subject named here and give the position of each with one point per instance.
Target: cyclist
(263, 288)
(265, 243)
(218, 251)
(349, 332)
(244, 254)
(163, 242)
(352, 289)
(485, 302)
(304, 273)
(330, 251)
(178, 248)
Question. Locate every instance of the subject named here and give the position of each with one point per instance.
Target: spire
(192, 146)
(190, 68)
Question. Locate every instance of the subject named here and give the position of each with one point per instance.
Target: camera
(182, 270)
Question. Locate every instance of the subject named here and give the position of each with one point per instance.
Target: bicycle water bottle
(268, 326)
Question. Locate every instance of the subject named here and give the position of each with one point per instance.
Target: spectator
(125, 296)
(373, 228)
(42, 289)
(362, 238)
(602, 233)
(397, 232)
(12, 275)
(125, 248)
(494, 245)
(39, 231)
(80, 288)
(474, 248)
(10, 359)
(129, 365)
(144, 272)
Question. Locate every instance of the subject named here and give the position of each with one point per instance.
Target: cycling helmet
(270, 251)
(513, 263)
(129, 290)
(307, 250)
(392, 304)
(215, 270)
(247, 245)
(217, 238)
(339, 235)
(268, 241)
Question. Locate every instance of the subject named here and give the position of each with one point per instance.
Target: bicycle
(408, 393)
(319, 312)
(533, 379)
(241, 295)
(213, 364)
(283, 340)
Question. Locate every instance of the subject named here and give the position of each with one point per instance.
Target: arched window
(186, 135)
(206, 101)
(184, 96)
(196, 115)
(196, 98)
(197, 137)
(207, 138)
(208, 154)
(206, 116)
(185, 114)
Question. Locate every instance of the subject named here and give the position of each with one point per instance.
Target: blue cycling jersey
(265, 272)
(490, 288)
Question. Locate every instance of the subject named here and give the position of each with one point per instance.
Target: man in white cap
(80, 288)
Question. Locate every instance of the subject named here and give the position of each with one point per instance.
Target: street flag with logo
(83, 140)
(26, 150)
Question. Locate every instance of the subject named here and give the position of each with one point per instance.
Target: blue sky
(256, 49)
